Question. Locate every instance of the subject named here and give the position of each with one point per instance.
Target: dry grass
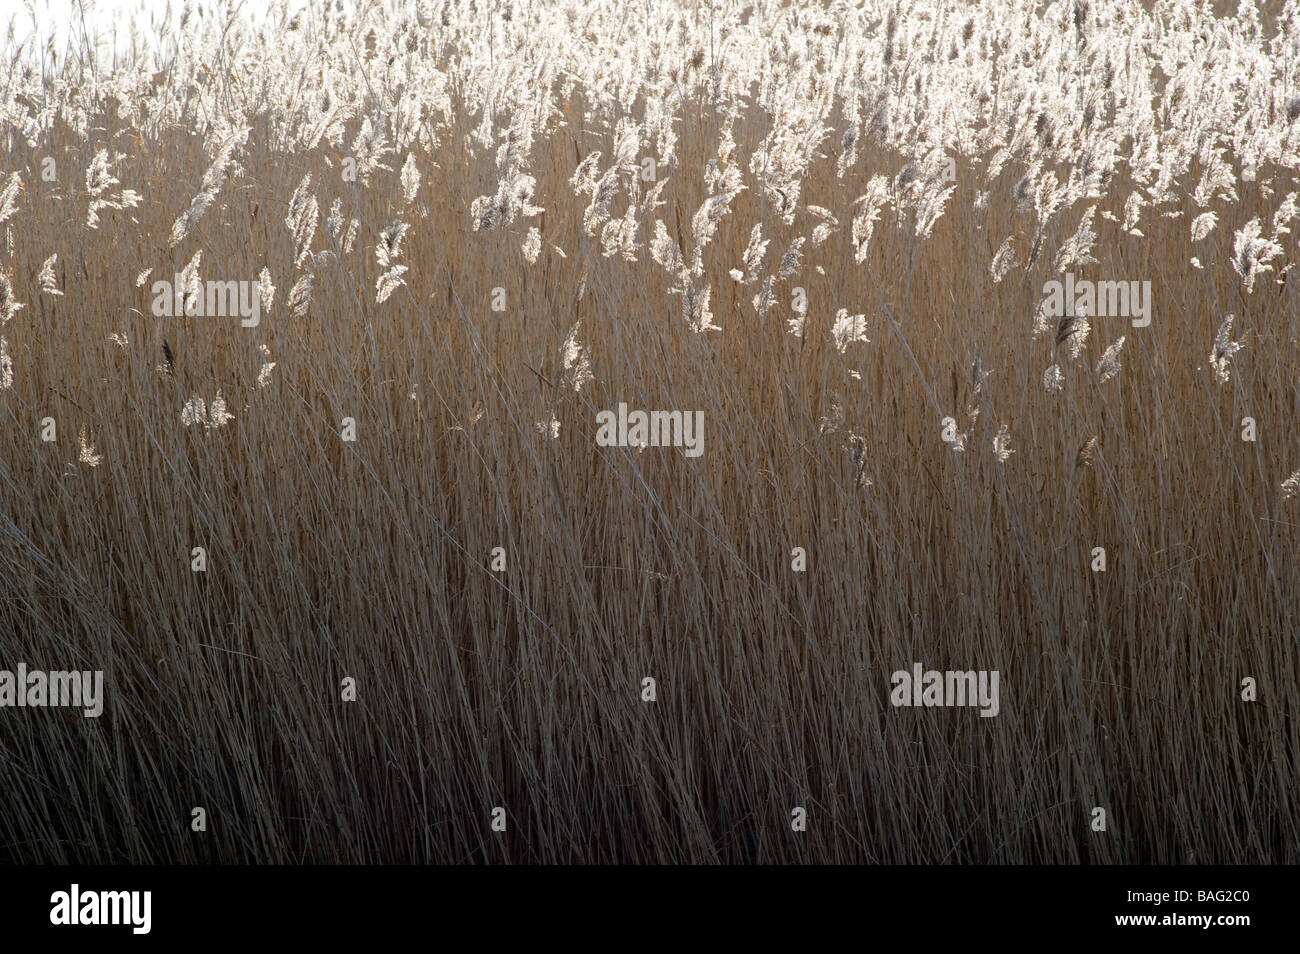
(521, 689)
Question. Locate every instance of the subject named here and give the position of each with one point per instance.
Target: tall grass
(371, 559)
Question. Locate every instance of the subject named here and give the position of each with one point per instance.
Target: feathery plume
(848, 329)
(1291, 486)
(49, 283)
(1002, 444)
(577, 368)
(1086, 455)
(301, 221)
(1223, 351)
(1109, 366)
(9, 306)
(410, 179)
(300, 295)
(532, 245)
(86, 451)
(264, 372)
